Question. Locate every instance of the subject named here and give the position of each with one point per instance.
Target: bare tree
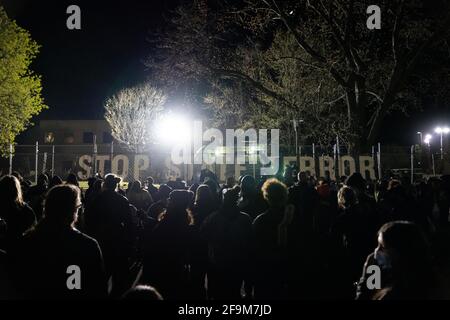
(267, 61)
(131, 112)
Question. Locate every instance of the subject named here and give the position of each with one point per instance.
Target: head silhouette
(231, 197)
(42, 180)
(72, 179)
(11, 191)
(356, 181)
(142, 292)
(61, 204)
(111, 182)
(135, 186)
(203, 194)
(302, 177)
(346, 197)
(180, 199)
(55, 180)
(275, 193)
(405, 241)
(150, 180)
(164, 191)
(248, 185)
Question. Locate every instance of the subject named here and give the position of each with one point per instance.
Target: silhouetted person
(304, 197)
(6, 289)
(36, 194)
(251, 200)
(166, 261)
(397, 204)
(18, 216)
(215, 190)
(151, 187)
(72, 179)
(43, 256)
(204, 204)
(95, 188)
(139, 197)
(25, 184)
(54, 181)
(109, 220)
(229, 234)
(271, 241)
(404, 258)
(444, 201)
(230, 183)
(158, 207)
(352, 237)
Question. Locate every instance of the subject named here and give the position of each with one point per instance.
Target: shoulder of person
(26, 207)
(245, 217)
(83, 237)
(260, 219)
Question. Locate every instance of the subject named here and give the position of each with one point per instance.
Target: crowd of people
(301, 238)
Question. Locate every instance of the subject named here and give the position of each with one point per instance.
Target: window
(49, 137)
(107, 138)
(88, 137)
(69, 138)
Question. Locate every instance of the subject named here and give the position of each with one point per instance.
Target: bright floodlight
(427, 138)
(442, 130)
(173, 128)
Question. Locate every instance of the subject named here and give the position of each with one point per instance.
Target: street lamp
(427, 141)
(420, 136)
(441, 131)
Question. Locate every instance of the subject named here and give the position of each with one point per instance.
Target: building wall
(74, 132)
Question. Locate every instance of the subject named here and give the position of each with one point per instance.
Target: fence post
(412, 164)
(10, 158)
(432, 163)
(94, 157)
(298, 163)
(379, 160)
(44, 163)
(338, 157)
(373, 154)
(111, 155)
(53, 160)
(36, 163)
(334, 161)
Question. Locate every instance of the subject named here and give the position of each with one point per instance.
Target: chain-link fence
(329, 161)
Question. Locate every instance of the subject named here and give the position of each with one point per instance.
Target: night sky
(81, 68)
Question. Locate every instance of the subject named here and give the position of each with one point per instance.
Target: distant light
(442, 130)
(418, 132)
(291, 13)
(173, 128)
